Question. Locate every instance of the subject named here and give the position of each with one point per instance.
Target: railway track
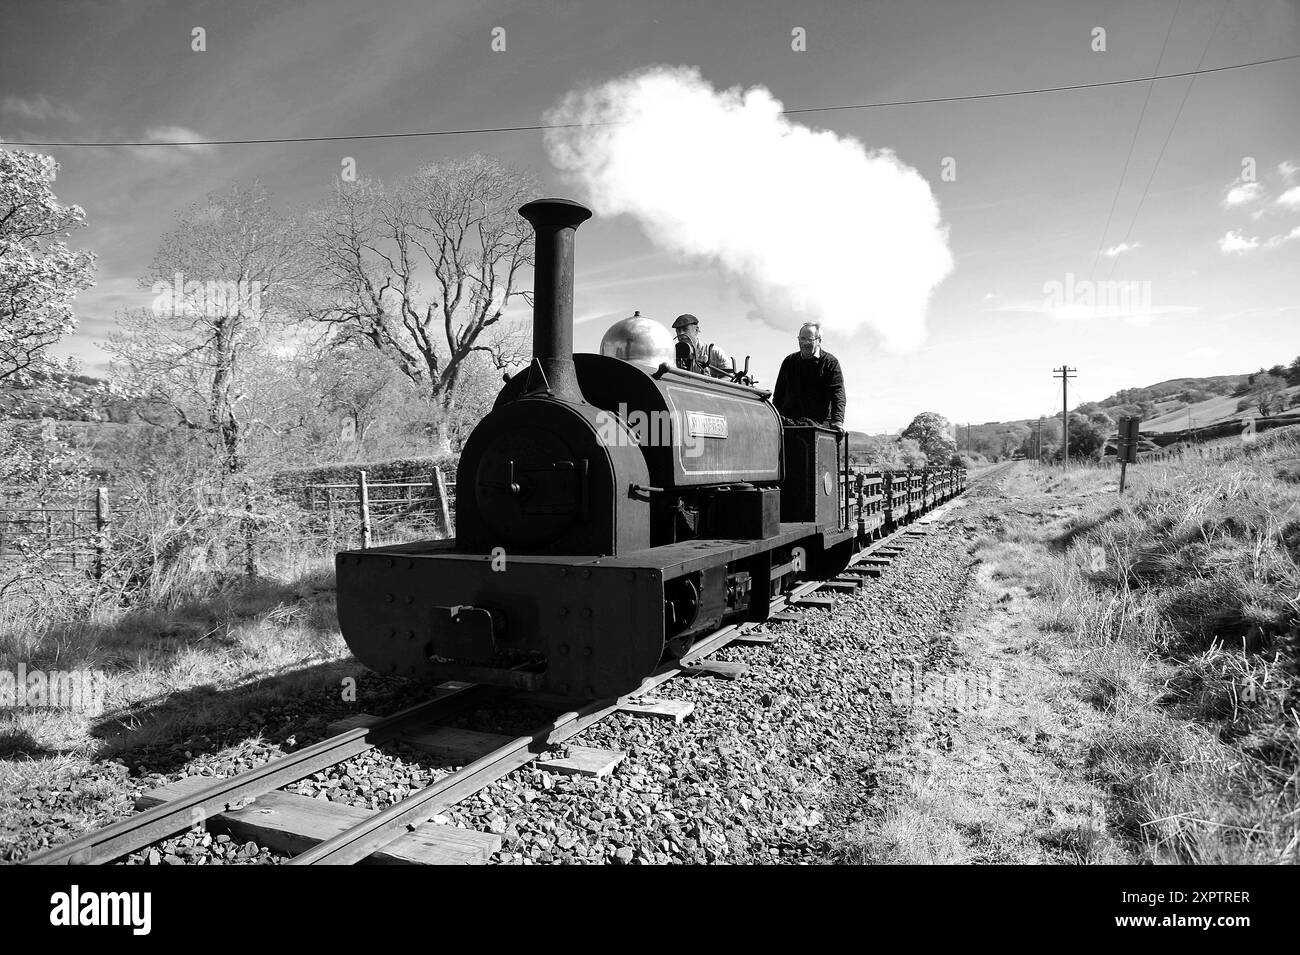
(381, 829)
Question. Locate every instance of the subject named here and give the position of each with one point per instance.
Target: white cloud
(1290, 198)
(195, 145)
(1234, 241)
(1116, 250)
(1203, 352)
(39, 108)
(1288, 170)
(1277, 240)
(859, 242)
(1240, 193)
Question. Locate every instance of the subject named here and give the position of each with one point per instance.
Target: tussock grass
(1181, 605)
(926, 828)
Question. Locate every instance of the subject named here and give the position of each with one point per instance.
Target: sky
(1045, 198)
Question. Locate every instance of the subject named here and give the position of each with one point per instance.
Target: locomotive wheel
(680, 611)
(678, 647)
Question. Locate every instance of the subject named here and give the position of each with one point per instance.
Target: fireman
(692, 356)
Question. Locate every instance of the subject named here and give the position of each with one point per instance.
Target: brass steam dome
(640, 340)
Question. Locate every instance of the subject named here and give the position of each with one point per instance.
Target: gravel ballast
(772, 767)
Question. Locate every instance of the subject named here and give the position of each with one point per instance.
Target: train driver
(692, 356)
(810, 385)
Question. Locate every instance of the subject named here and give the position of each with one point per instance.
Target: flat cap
(684, 320)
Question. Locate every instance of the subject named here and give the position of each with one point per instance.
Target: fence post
(329, 512)
(250, 544)
(103, 520)
(364, 504)
(441, 509)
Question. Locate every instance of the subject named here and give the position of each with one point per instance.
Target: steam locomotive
(612, 508)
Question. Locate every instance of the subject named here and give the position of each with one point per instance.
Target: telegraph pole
(1065, 374)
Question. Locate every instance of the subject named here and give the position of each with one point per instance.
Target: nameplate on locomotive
(706, 425)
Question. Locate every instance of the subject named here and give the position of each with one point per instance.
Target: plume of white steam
(812, 225)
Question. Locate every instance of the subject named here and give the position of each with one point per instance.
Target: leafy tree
(911, 454)
(1088, 434)
(1267, 392)
(876, 451)
(39, 275)
(1278, 371)
(933, 434)
(1293, 372)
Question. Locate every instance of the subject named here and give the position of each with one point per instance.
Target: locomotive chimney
(554, 222)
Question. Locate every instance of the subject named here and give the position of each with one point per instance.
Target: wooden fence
(74, 536)
(376, 506)
(77, 535)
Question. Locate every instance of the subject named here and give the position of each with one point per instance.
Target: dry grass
(1148, 666)
(176, 613)
(236, 633)
(1179, 607)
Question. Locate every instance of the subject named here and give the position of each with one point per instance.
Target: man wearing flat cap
(692, 356)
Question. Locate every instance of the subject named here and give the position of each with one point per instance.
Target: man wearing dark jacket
(810, 385)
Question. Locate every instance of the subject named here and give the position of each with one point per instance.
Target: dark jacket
(811, 388)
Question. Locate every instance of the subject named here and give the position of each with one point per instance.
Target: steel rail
(353, 845)
(135, 832)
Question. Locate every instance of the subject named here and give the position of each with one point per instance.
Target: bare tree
(354, 384)
(426, 271)
(220, 279)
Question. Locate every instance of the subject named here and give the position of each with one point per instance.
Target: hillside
(1213, 410)
(64, 396)
(1173, 410)
(1184, 389)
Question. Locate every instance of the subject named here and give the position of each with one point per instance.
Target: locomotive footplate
(573, 626)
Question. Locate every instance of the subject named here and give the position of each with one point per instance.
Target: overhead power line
(1165, 145)
(544, 126)
(1119, 187)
